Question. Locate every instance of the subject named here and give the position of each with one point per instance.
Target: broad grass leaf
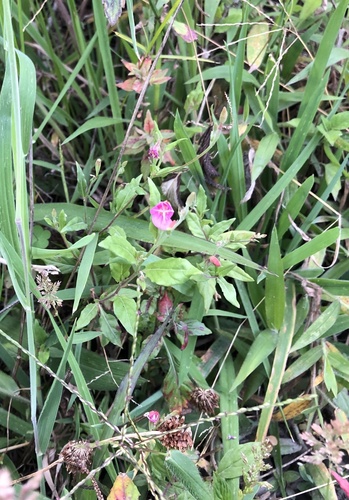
(257, 42)
(187, 473)
(93, 124)
(125, 310)
(321, 241)
(275, 286)
(264, 154)
(262, 347)
(84, 270)
(302, 364)
(294, 206)
(318, 328)
(171, 271)
(123, 489)
(27, 94)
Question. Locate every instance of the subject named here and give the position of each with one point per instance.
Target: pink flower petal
(161, 215)
(343, 483)
(153, 416)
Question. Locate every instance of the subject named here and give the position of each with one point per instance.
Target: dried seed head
(77, 456)
(181, 440)
(205, 400)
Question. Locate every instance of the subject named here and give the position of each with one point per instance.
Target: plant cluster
(173, 246)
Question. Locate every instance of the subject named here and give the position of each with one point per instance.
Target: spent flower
(139, 73)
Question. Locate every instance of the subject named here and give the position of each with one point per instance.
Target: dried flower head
(181, 440)
(48, 290)
(329, 442)
(76, 456)
(205, 400)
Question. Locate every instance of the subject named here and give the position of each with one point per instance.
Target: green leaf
(232, 463)
(319, 327)
(92, 124)
(294, 206)
(262, 347)
(229, 291)
(284, 340)
(125, 310)
(257, 43)
(186, 472)
(171, 271)
(221, 490)
(118, 245)
(321, 241)
(27, 93)
(207, 288)
(264, 154)
(329, 377)
(274, 286)
(84, 270)
(88, 313)
(339, 121)
(302, 364)
(108, 325)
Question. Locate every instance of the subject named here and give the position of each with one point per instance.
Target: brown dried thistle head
(76, 456)
(205, 400)
(181, 440)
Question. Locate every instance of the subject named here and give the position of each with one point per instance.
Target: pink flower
(153, 416)
(216, 262)
(161, 215)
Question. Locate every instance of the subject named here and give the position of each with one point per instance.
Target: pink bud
(165, 305)
(216, 262)
(161, 215)
(153, 416)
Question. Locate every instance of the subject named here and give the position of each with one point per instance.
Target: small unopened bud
(215, 261)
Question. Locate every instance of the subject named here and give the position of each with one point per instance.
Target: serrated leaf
(123, 489)
(171, 271)
(125, 310)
